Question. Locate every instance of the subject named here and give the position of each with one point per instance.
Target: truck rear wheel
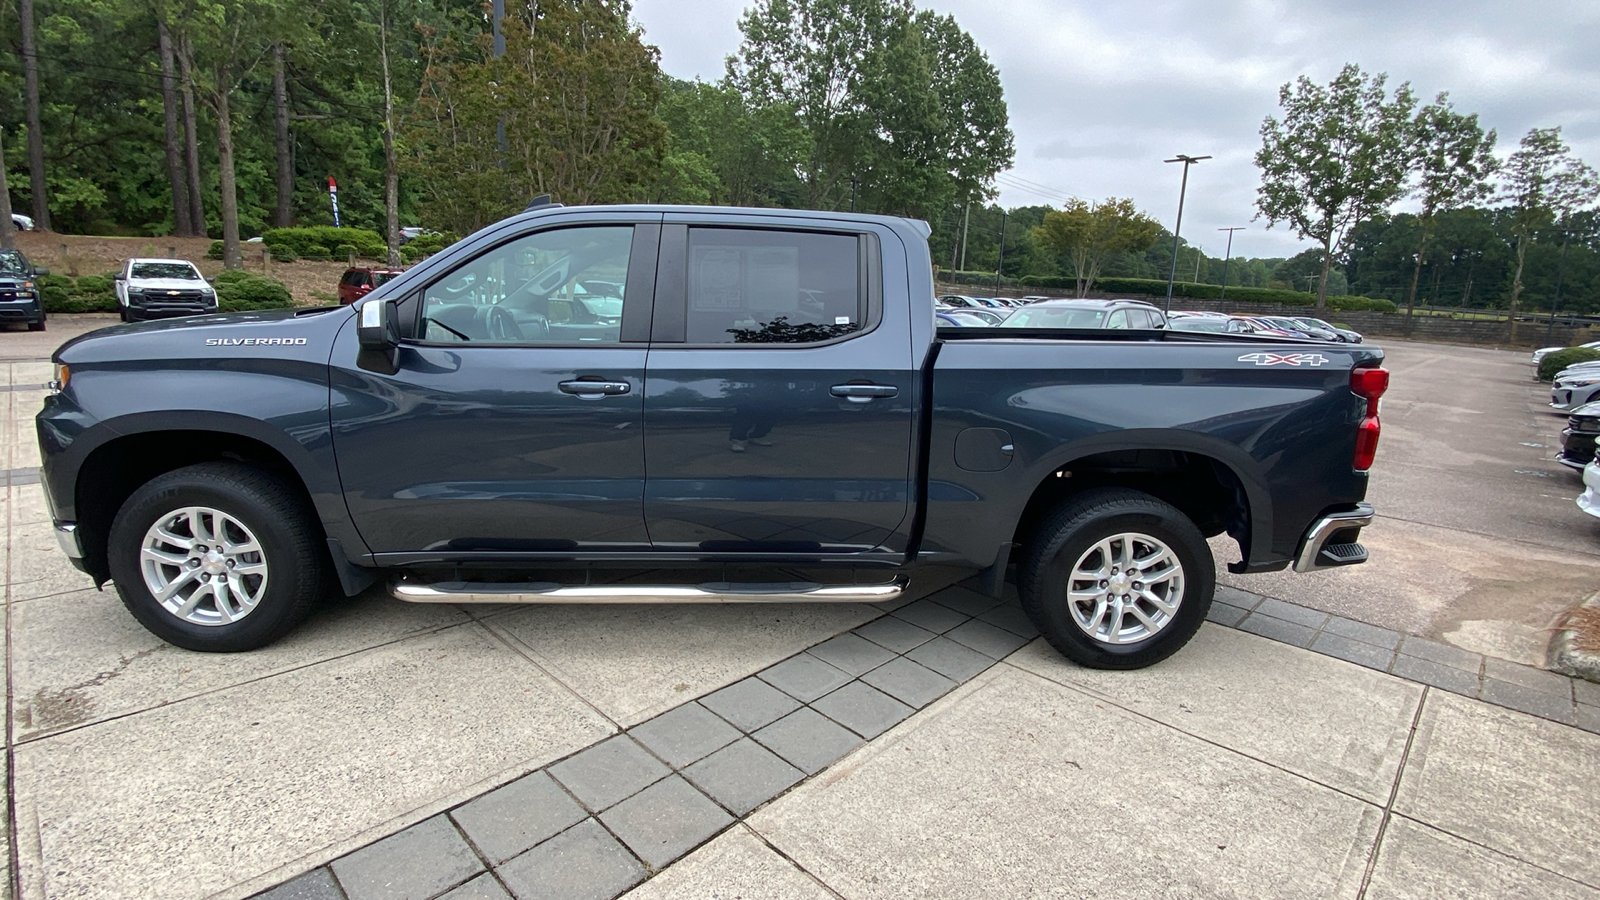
(217, 557)
(1117, 579)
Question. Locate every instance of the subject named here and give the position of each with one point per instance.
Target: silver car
(1575, 386)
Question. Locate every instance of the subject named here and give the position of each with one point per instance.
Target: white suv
(161, 289)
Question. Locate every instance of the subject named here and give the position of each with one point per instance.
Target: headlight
(59, 383)
(1585, 423)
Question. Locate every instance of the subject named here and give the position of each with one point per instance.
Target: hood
(279, 333)
(169, 284)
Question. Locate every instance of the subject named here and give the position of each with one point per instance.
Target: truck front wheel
(1117, 579)
(218, 557)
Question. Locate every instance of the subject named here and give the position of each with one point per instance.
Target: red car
(356, 282)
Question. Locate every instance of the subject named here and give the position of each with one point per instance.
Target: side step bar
(710, 592)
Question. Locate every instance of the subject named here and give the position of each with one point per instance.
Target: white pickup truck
(162, 288)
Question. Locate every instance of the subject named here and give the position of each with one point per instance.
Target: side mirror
(40, 270)
(378, 333)
(120, 276)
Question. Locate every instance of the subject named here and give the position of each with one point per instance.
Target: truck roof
(554, 209)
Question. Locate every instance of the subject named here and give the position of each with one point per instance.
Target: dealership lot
(971, 754)
(1478, 542)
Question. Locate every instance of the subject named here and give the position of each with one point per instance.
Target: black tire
(123, 312)
(36, 326)
(283, 525)
(1069, 533)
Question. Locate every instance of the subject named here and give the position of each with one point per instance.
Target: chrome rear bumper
(1315, 551)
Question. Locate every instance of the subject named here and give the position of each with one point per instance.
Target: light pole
(1172, 273)
(1228, 254)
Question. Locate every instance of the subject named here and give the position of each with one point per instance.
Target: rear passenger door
(779, 389)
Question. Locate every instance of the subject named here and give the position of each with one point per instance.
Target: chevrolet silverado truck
(637, 404)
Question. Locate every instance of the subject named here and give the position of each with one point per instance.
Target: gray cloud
(1100, 93)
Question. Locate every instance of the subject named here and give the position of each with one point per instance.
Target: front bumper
(144, 311)
(1330, 542)
(1589, 500)
(1577, 448)
(21, 311)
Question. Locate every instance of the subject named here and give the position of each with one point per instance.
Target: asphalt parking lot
(1477, 542)
(934, 749)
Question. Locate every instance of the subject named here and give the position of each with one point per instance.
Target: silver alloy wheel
(203, 566)
(1125, 588)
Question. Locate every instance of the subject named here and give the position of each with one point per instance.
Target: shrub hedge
(1560, 359)
(238, 291)
(87, 293)
(324, 242)
(425, 245)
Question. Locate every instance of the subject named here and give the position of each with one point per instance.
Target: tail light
(1369, 384)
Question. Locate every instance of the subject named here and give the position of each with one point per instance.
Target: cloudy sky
(1100, 93)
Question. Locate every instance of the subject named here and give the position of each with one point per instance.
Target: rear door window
(748, 286)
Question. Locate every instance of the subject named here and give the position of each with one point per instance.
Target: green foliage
(899, 108)
(1545, 184)
(88, 293)
(238, 290)
(1088, 234)
(214, 251)
(574, 99)
(424, 245)
(1340, 155)
(1553, 363)
(1372, 304)
(1455, 160)
(325, 242)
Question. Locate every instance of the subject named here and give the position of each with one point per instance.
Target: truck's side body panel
(1286, 432)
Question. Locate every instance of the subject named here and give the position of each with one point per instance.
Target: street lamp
(1226, 256)
(1172, 273)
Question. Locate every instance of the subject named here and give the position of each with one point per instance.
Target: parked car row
(1060, 312)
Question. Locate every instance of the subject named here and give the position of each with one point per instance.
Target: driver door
(504, 432)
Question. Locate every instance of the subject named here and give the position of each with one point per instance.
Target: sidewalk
(1241, 767)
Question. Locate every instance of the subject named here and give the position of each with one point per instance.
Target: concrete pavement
(389, 750)
(1477, 542)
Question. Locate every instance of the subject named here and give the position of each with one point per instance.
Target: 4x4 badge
(1284, 359)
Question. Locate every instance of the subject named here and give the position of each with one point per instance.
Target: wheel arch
(1213, 482)
(119, 455)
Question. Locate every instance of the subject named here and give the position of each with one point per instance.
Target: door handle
(863, 393)
(594, 390)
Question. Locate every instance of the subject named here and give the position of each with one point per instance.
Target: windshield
(13, 263)
(381, 277)
(165, 270)
(1316, 323)
(1055, 317)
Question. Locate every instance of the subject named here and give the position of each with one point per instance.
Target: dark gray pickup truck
(749, 405)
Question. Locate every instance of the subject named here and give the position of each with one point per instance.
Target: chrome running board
(710, 592)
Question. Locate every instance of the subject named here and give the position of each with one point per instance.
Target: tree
(1544, 183)
(1087, 234)
(575, 94)
(30, 70)
(899, 107)
(1340, 155)
(1455, 160)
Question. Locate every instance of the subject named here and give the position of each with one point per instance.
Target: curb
(1566, 658)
